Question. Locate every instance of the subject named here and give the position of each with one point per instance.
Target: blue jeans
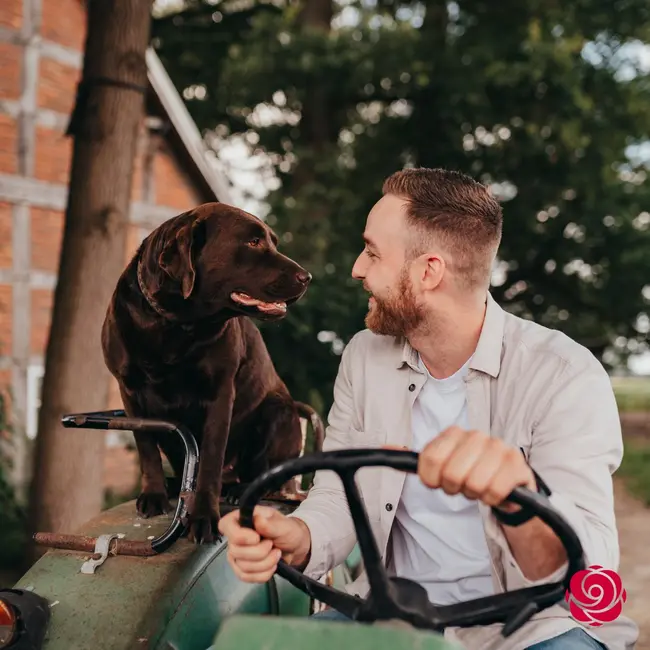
(575, 639)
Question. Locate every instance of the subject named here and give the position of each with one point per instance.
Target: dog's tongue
(267, 307)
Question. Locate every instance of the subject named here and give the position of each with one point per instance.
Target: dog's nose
(303, 277)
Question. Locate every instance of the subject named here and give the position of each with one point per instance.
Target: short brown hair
(458, 212)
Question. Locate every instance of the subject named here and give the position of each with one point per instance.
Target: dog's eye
(255, 242)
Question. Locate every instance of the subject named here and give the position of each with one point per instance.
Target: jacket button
(412, 387)
(389, 506)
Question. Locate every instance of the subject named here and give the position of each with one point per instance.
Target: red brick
(11, 13)
(10, 70)
(53, 156)
(6, 256)
(57, 86)
(64, 22)
(41, 305)
(133, 240)
(8, 145)
(136, 183)
(121, 470)
(173, 186)
(6, 309)
(47, 236)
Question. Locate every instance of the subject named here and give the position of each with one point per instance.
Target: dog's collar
(152, 302)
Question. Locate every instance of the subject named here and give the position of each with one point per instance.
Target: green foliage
(544, 101)
(12, 530)
(632, 394)
(634, 468)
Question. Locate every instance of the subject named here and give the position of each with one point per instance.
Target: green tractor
(127, 583)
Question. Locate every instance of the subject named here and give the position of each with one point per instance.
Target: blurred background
(297, 111)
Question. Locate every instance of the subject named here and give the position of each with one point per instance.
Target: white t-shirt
(438, 539)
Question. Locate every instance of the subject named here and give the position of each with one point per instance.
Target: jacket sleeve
(576, 447)
(325, 510)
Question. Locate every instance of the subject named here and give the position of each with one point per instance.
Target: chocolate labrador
(178, 338)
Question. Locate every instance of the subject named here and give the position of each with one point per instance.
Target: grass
(635, 469)
(632, 393)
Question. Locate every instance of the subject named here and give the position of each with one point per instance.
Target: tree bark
(67, 486)
(316, 15)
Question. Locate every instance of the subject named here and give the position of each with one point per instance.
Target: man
(484, 397)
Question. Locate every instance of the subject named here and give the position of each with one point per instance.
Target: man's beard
(398, 315)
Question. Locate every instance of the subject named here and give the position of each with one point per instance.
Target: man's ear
(434, 268)
(177, 257)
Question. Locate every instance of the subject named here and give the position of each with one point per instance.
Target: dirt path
(633, 521)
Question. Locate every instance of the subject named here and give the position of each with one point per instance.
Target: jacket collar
(487, 357)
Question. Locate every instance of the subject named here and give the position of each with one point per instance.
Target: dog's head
(218, 260)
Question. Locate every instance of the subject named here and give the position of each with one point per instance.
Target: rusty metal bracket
(104, 420)
(102, 546)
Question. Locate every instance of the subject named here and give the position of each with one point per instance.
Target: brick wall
(11, 13)
(8, 144)
(158, 180)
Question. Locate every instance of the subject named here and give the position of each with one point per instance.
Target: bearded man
(485, 397)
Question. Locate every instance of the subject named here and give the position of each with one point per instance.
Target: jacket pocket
(369, 478)
(371, 437)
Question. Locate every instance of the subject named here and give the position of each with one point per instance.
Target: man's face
(393, 308)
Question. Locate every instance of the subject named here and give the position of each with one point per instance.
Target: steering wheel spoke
(399, 598)
(380, 587)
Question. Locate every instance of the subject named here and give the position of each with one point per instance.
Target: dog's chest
(182, 384)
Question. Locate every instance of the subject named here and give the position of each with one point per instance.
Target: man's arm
(576, 447)
(325, 511)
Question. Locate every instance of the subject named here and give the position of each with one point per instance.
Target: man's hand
(473, 464)
(484, 468)
(254, 554)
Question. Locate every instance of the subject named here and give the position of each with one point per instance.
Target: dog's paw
(152, 504)
(202, 519)
(204, 530)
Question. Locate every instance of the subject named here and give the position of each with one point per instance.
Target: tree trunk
(318, 136)
(67, 486)
(316, 15)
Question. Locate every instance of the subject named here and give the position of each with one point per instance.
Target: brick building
(41, 54)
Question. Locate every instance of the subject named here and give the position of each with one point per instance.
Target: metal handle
(117, 420)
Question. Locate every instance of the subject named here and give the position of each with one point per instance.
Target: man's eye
(256, 241)
(370, 253)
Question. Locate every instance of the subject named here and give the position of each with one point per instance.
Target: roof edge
(185, 126)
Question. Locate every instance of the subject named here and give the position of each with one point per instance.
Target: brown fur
(183, 350)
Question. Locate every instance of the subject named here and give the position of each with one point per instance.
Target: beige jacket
(531, 386)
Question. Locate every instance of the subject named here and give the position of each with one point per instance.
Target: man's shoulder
(547, 345)
(365, 344)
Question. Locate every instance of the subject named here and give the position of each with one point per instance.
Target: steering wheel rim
(393, 597)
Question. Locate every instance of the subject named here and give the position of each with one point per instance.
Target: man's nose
(358, 270)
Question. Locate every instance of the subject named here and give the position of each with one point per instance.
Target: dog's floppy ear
(177, 257)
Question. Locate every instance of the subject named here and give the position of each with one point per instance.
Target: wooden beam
(34, 360)
(21, 244)
(11, 36)
(35, 279)
(53, 196)
(21, 340)
(61, 54)
(44, 116)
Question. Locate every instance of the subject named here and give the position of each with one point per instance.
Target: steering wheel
(392, 597)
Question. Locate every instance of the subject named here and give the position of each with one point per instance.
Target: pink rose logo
(595, 595)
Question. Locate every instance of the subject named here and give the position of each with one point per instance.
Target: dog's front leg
(153, 499)
(203, 510)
